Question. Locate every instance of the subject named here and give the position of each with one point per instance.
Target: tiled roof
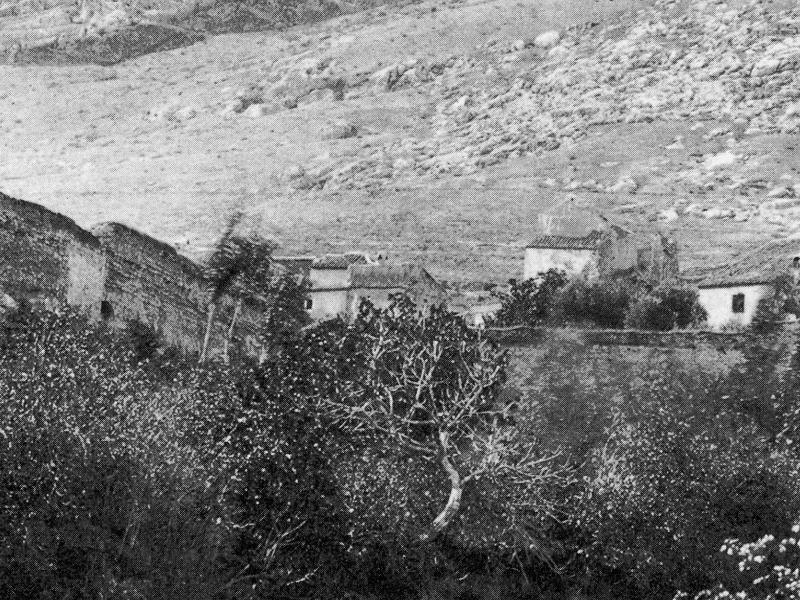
(340, 261)
(564, 242)
(389, 276)
(760, 265)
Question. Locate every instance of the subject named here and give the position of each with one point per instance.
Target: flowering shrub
(665, 496)
(769, 569)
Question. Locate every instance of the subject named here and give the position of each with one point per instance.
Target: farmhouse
(339, 282)
(759, 280)
(579, 241)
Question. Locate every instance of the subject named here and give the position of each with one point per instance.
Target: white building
(572, 254)
(339, 282)
(577, 240)
(760, 279)
(329, 277)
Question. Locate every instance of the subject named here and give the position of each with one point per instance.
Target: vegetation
(665, 308)
(530, 301)
(552, 298)
(381, 458)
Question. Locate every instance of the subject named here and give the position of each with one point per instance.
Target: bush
(119, 482)
(768, 568)
(664, 500)
(664, 309)
(600, 303)
(530, 302)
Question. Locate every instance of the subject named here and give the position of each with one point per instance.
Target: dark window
(796, 262)
(738, 303)
(106, 310)
(309, 303)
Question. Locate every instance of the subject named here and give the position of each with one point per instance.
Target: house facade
(340, 282)
(329, 278)
(378, 283)
(753, 286)
(732, 304)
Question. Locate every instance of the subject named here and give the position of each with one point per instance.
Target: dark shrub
(600, 303)
(119, 482)
(530, 302)
(664, 309)
(690, 465)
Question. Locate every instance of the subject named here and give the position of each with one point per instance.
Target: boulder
(548, 39)
(254, 111)
(780, 192)
(340, 131)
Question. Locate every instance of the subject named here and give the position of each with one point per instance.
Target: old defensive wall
(113, 273)
(620, 363)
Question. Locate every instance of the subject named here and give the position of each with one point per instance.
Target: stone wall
(623, 363)
(148, 281)
(115, 273)
(47, 259)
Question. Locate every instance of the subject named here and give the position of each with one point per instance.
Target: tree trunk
(453, 502)
(212, 308)
(230, 330)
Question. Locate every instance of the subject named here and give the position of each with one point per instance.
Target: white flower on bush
(770, 569)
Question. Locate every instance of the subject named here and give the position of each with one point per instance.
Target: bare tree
(428, 385)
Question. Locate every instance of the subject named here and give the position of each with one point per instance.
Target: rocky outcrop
(670, 63)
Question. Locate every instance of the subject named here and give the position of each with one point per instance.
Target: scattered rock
(723, 159)
(668, 215)
(780, 192)
(254, 111)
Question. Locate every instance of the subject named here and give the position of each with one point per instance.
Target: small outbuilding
(757, 281)
(339, 283)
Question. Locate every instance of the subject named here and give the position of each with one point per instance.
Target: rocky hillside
(434, 130)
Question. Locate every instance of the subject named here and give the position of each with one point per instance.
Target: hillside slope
(435, 130)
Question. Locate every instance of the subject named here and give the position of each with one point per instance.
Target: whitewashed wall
(718, 303)
(327, 304)
(540, 260)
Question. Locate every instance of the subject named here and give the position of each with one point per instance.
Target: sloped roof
(564, 242)
(389, 276)
(340, 261)
(757, 266)
(571, 226)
